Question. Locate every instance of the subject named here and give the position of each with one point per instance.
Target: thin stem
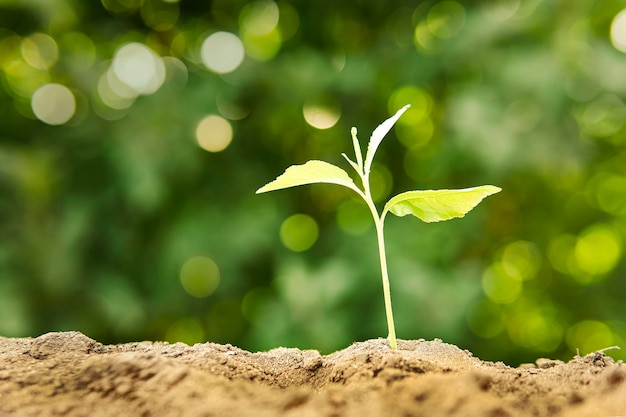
(367, 196)
(386, 290)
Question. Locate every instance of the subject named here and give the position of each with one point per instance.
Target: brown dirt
(68, 374)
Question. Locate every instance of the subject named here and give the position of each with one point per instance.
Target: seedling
(427, 205)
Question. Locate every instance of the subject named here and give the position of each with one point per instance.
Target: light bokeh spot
(160, 15)
(598, 250)
(113, 93)
(561, 253)
(222, 52)
(53, 104)
(118, 87)
(533, 329)
(604, 116)
(40, 51)
(618, 31)
(320, 117)
(188, 330)
(299, 232)
(499, 286)
(415, 127)
(502, 10)
(446, 19)
(608, 191)
(214, 133)
(139, 68)
(253, 303)
(259, 17)
(589, 335)
(520, 260)
(354, 218)
(200, 276)
(381, 182)
(421, 104)
(289, 21)
(262, 47)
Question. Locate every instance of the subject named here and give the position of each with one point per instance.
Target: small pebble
(58, 343)
(544, 363)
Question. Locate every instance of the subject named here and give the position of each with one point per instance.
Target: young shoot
(427, 205)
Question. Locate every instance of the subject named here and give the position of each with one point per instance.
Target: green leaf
(378, 135)
(438, 205)
(310, 173)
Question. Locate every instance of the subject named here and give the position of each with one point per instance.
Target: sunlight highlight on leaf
(310, 173)
(378, 134)
(438, 205)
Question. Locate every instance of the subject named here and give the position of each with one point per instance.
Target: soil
(69, 374)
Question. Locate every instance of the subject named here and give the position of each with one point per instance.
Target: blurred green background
(134, 134)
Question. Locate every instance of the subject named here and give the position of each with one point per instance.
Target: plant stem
(378, 222)
(386, 292)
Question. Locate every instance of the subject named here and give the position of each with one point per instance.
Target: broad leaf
(310, 173)
(378, 134)
(438, 205)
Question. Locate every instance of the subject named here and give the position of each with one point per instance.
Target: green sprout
(427, 205)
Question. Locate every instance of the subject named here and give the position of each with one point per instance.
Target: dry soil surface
(69, 374)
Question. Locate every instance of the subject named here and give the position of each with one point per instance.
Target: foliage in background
(134, 134)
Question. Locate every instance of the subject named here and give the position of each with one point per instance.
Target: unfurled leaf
(378, 134)
(438, 205)
(310, 173)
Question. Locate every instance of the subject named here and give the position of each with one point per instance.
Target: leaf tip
(261, 190)
(494, 189)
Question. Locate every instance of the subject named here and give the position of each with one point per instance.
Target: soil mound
(69, 374)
